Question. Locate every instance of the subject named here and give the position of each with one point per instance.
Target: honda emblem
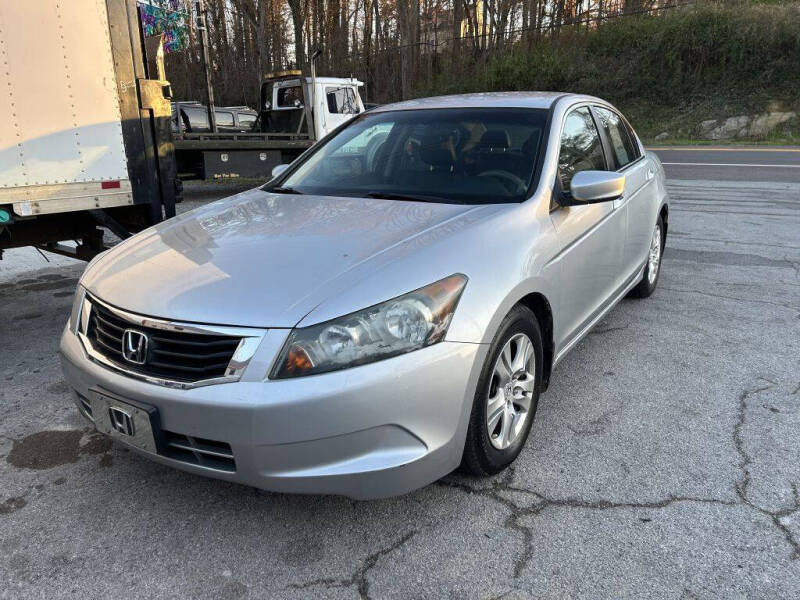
(134, 346)
(121, 421)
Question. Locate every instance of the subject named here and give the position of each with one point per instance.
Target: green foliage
(671, 70)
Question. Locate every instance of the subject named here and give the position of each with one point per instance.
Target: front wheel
(653, 267)
(507, 395)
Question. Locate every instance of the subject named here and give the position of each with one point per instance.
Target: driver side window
(581, 149)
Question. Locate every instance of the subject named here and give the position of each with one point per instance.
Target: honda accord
(387, 308)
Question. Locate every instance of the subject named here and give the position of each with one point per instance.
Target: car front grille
(199, 451)
(172, 355)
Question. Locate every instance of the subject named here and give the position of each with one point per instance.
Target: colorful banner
(165, 17)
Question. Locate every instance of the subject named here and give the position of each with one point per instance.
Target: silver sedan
(387, 308)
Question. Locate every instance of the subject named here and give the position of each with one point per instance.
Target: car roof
(486, 100)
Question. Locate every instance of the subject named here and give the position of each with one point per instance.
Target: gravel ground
(663, 462)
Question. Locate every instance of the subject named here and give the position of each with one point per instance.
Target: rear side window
(581, 149)
(224, 118)
(636, 149)
(623, 145)
(196, 119)
(246, 120)
(341, 101)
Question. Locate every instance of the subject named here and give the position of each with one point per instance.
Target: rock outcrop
(744, 126)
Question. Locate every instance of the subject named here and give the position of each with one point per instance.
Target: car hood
(258, 259)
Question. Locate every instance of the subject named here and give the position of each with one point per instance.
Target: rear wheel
(653, 267)
(507, 395)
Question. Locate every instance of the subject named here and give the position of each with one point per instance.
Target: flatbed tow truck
(294, 113)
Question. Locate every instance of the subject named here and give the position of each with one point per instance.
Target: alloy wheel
(510, 392)
(654, 257)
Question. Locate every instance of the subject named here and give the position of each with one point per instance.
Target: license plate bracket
(128, 421)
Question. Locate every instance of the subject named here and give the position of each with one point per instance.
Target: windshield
(471, 156)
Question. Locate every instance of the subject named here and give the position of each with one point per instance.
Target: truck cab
(290, 103)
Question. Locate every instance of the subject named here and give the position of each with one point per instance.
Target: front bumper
(373, 431)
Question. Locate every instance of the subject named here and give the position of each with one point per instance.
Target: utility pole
(202, 28)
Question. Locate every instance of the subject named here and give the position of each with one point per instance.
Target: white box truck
(85, 140)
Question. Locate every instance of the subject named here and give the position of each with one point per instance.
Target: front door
(591, 237)
(340, 106)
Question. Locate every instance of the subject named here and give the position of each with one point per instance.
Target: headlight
(409, 322)
(77, 305)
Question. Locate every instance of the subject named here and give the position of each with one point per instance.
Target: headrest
(435, 150)
(496, 140)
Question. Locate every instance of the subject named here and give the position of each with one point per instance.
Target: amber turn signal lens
(298, 361)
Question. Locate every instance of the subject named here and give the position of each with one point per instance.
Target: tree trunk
(458, 17)
(298, 19)
(408, 28)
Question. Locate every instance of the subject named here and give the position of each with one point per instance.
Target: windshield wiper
(412, 197)
(285, 190)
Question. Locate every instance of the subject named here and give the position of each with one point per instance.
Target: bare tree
(298, 10)
(395, 46)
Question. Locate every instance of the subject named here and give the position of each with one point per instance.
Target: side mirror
(278, 169)
(297, 103)
(267, 105)
(590, 187)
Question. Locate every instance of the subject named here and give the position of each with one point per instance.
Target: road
(664, 461)
(759, 163)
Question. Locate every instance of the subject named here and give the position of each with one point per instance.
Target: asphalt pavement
(733, 163)
(664, 461)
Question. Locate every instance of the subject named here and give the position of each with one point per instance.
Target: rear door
(60, 107)
(85, 125)
(591, 237)
(638, 200)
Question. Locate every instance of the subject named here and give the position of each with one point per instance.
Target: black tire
(646, 287)
(480, 456)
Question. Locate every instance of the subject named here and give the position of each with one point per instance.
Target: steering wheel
(511, 182)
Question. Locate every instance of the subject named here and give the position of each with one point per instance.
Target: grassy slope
(667, 73)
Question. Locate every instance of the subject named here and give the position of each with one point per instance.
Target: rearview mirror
(278, 169)
(590, 187)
